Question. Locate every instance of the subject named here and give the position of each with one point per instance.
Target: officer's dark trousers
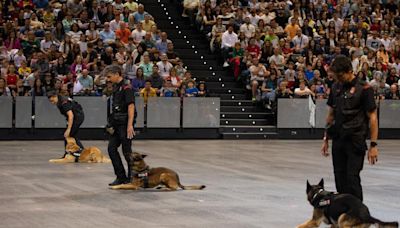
(120, 138)
(347, 164)
(75, 130)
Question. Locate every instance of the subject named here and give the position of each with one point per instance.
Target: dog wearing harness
(145, 177)
(339, 210)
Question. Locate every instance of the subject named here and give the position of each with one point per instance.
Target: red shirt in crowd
(12, 79)
(254, 50)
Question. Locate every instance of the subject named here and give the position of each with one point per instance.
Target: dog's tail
(382, 224)
(193, 187)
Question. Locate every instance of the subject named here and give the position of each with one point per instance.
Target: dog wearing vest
(88, 155)
(145, 177)
(339, 210)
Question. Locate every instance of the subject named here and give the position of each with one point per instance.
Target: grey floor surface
(249, 184)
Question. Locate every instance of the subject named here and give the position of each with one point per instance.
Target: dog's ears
(321, 183)
(308, 187)
(144, 155)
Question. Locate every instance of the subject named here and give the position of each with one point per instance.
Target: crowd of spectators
(282, 49)
(64, 45)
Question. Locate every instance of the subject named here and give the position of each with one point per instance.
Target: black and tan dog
(145, 177)
(88, 155)
(340, 210)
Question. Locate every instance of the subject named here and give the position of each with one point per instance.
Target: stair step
(246, 122)
(190, 55)
(232, 96)
(267, 135)
(246, 115)
(239, 109)
(229, 91)
(236, 103)
(248, 129)
(220, 79)
(223, 85)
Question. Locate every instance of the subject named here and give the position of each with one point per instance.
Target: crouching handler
(73, 112)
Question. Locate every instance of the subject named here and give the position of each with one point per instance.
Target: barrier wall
(201, 112)
(295, 113)
(5, 112)
(161, 112)
(389, 113)
(23, 112)
(95, 109)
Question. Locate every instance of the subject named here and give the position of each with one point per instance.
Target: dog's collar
(143, 175)
(322, 198)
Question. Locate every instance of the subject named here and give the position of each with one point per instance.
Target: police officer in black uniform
(120, 123)
(352, 114)
(73, 112)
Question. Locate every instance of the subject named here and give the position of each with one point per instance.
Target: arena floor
(249, 184)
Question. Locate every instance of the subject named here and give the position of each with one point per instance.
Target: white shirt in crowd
(248, 29)
(138, 35)
(114, 25)
(387, 44)
(164, 68)
(301, 41)
(229, 39)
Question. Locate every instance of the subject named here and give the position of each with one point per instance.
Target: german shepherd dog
(88, 155)
(340, 210)
(145, 177)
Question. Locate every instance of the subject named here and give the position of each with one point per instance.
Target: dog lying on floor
(88, 155)
(340, 210)
(145, 177)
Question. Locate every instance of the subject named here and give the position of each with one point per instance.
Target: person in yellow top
(131, 5)
(383, 54)
(291, 29)
(24, 70)
(148, 91)
(147, 23)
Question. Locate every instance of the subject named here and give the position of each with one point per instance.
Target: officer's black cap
(51, 93)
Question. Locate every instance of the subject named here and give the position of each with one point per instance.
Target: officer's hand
(66, 133)
(130, 132)
(325, 148)
(373, 155)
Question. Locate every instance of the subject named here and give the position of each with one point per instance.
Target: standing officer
(351, 109)
(73, 112)
(121, 123)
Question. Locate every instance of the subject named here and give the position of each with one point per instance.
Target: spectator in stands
(168, 90)
(123, 33)
(139, 81)
(146, 66)
(139, 14)
(164, 66)
(87, 83)
(171, 54)
(156, 80)
(202, 89)
(148, 91)
(138, 34)
(229, 39)
(107, 36)
(268, 89)
(148, 42)
(162, 44)
(147, 23)
(216, 34)
(12, 77)
(257, 74)
(303, 91)
(191, 90)
(283, 91)
(37, 89)
(393, 93)
(48, 82)
(4, 90)
(236, 60)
